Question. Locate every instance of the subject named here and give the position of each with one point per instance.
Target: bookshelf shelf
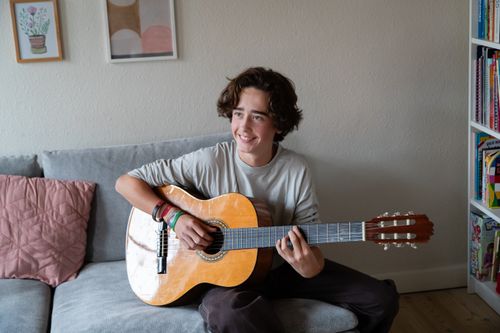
(482, 42)
(485, 289)
(480, 128)
(493, 213)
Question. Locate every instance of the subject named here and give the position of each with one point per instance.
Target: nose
(245, 121)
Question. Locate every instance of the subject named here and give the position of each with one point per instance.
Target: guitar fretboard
(249, 238)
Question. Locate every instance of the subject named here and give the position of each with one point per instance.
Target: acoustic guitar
(162, 272)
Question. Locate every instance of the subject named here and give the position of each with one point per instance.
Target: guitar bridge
(162, 248)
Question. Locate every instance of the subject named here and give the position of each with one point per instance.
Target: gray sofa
(100, 298)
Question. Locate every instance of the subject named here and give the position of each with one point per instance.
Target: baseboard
(453, 276)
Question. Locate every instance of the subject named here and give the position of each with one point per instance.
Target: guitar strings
(248, 238)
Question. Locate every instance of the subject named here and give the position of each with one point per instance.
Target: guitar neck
(249, 238)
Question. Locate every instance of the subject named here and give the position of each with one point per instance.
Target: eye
(237, 114)
(258, 117)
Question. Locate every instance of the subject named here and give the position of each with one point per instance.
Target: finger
(202, 232)
(303, 242)
(294, 238)
(284, 244)
(209, 227)
(188, 243)
(280, 251)
(193, 244)
(278, 247)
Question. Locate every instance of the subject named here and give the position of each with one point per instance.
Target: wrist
(173, 220)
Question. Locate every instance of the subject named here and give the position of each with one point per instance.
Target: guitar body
(188, 271)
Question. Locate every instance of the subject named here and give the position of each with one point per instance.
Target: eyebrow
(262, 113)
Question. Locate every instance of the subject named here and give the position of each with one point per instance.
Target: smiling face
(253, 128)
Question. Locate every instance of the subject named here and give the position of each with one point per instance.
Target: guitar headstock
(399, 229)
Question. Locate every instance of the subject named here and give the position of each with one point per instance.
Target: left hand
(307, 261)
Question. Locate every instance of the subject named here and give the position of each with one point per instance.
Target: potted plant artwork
(34, 22)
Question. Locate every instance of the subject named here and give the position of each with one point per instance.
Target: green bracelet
(175, 218)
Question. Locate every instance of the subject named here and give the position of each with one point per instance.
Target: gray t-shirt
(284, 184)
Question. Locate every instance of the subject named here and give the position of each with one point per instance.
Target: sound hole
(214, 251)
(216, 244)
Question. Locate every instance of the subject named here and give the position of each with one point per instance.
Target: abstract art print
(36, 30)
(139, 30)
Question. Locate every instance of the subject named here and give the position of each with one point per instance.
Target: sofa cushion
(109, 216)
(24, 306)
(101, 300)
(22, 165)
(43, 225)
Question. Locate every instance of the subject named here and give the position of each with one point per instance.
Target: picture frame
(140, 30)
(36, 28)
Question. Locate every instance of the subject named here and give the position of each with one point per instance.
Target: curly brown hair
(282, 109)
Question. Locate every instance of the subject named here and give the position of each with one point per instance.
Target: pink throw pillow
(43, 227)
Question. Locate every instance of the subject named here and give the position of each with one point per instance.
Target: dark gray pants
(247, 309)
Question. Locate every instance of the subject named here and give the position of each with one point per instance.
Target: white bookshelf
(485, 289)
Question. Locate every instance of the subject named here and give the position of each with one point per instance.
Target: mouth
(245, 139)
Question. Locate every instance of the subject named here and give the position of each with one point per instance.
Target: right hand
(193, 233)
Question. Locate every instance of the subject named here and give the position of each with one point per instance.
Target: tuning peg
(386, 246)
(410, 213)
(414, 246)
(398, 244)
(396, 214)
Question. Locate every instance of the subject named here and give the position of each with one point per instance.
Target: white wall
(382, 84)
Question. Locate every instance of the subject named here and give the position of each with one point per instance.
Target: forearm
(137, 192)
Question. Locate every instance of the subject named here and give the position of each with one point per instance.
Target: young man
(261, 105)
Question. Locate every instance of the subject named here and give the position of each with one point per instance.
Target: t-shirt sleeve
(179, 171)
(201, 172)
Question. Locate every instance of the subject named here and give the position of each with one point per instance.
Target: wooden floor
(450, 311)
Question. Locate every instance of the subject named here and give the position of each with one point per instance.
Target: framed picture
(140, 30)
(36, 29)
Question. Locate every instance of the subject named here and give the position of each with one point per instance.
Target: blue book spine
(480, 18)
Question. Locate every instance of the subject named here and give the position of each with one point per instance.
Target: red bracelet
(165, 212)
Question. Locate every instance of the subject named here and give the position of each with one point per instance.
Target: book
(481, 247)
(482, 142)
(492, 177)
(480, 18)
(486, 161)
(485, 144)
(492, 20)
(496, 17)
(478, 65)
(487, 87)
(496, 255)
